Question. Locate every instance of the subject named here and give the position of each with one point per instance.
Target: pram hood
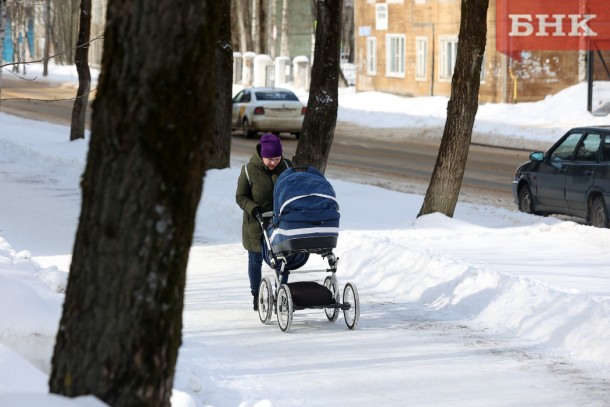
(305, 212)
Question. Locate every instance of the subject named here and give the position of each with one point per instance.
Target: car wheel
(297, 135)
(248, 133)
(526, 202)
(598, 216)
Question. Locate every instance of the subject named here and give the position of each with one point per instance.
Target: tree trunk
(120, 330)
(220, 156)
(13, 11)
(321, 117)
(256, 35)
(65, 18)
(47, 38)
(2, 31)
(284, 51)
(245, 34)
(271, 13)
(444, 189)
(81, 60)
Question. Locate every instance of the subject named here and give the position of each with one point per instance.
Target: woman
(255, 196)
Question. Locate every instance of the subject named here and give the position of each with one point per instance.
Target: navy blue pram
(305, 217)
(305, 220)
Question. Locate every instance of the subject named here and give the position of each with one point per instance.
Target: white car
(273, 110)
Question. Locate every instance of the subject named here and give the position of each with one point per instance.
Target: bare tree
(65, 23)
(47, 37)
(120, 329)
(2, 25)
(319, 124)
(284, 33)
(444, 189)
(2, 31)
(347, 35)
(81, 60)
(15, 12)
(242, 13)
(221, 143)
(270, 27)
(256, 29)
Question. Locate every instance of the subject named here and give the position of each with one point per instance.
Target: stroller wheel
(350, 296)
(284, 308)
(265, 300)
(331, 284)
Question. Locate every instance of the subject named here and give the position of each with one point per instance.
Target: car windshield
(565, 150)
(276, 95)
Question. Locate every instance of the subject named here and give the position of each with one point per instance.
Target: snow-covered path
(400, 353)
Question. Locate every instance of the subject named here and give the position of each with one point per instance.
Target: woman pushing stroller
(254, 196)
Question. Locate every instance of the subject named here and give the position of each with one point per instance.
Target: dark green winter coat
(255, 189)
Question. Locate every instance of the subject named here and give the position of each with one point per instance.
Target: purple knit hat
(271, 146)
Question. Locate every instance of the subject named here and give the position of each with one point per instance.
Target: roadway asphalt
(358, 153)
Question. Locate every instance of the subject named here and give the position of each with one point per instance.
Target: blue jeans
(255, 264)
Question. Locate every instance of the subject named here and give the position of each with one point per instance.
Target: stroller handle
(266, 236)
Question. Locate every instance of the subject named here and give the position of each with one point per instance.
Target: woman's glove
(258, 214)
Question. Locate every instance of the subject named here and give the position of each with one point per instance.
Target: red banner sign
(552, 25)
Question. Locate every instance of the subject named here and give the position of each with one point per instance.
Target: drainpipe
(432, 64)
(514, 78)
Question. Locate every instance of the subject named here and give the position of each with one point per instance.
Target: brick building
(408, 47)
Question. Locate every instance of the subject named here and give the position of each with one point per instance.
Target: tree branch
(47, 100)
(53, 56)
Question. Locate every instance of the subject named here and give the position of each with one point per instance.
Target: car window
(606, 148)
(238, 97)
(276, 95)
(588, 149)
(565, 150)
(246, 97)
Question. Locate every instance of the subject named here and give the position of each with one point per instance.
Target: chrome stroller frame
(276, 297)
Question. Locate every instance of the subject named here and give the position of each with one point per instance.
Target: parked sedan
(572, 178)
(274, 110)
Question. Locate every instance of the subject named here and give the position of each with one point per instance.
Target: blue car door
(551, 176)
(580, 174)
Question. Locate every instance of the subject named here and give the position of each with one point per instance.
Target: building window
(448, 50)
(381, 16)
(371, 56)
(421, 57)
(395, 55)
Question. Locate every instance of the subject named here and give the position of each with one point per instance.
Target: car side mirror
(537, 156)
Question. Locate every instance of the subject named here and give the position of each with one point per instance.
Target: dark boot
(255, 301)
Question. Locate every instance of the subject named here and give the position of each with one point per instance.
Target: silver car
(273, 110)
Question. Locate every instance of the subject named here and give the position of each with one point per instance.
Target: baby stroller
(305, 221)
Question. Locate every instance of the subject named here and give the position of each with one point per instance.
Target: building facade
(409, 47)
